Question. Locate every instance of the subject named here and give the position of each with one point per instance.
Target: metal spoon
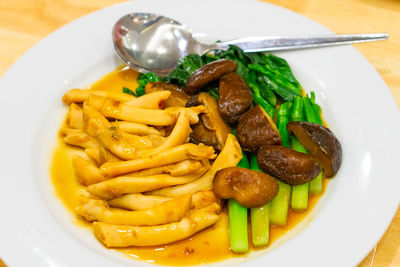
(151, 42)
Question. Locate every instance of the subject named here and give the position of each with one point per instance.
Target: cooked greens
(268, 76)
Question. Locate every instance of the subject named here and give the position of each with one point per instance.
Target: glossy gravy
(207, 246)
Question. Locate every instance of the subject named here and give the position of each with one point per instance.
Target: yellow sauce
(210, 245)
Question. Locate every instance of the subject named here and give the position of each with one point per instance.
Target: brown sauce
(210, 245)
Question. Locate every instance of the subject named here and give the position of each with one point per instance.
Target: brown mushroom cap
(287, 165)
(255, 129)
(178, 97)
(249, 188)
(321, 143)
(208, 73)
(211, 129)
(234, 97)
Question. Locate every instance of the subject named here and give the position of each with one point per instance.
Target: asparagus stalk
(237, 219)
(299, 192)
(259, 216)
(280, 203)
(312, 112)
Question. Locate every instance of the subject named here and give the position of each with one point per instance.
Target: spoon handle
(257, 44)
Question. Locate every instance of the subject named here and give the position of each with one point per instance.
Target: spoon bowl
(150, 42)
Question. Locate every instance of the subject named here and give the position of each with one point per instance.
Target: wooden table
(25, 22)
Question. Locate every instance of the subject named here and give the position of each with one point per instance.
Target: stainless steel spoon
(151, 42)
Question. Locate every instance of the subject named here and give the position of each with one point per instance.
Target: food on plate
(169, 211)
(209, 73)
(255, 129)
(211, 129)
(171, 155)
(125, 184)
(288, 165)
(150, 162)
(117, 235)
(250, 188)
(234, 97)
(178, 97)
(228, 157)
(321, 143)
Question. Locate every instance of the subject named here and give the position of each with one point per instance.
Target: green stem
(280, 205)
(237, 218)
(259, 216)
(317, 185)
(260, 225)
(299, 192)
(312, 113)
(282, 120)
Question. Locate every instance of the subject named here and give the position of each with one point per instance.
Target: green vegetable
(186, 66)
(214, 92)
(280, 203)
(237, 218)
(312, 112)
(299, 192)
(128, 91)
(277, 82)
(142, 80)
(266, 92)
(259, 216)
(282, 120)
(251, 80)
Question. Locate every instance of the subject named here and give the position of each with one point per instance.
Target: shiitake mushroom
(234, 97)
(178, 97)
(288, 165)
(208, 73)
(249, 188)
(211, 129)
(255, 129)
(320, 142)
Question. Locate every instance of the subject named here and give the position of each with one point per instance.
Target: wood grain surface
(25, 22)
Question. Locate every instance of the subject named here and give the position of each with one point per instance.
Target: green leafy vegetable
(144, 79)
(128, 91)
(251, 80)
(185, 68)
(277, 82)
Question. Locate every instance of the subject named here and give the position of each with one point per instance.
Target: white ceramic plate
(36, 229)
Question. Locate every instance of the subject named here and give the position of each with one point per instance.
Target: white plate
(36, 229)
